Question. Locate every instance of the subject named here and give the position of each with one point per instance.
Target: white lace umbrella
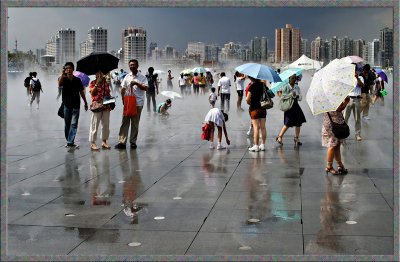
(171, 94)
(330, 86)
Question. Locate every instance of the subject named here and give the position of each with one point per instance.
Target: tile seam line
(222, 191)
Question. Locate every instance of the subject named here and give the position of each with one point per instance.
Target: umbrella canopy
(330, 86)
(122, 75)
(259, 71)
(199, 70)
(171, 94)
(83, 77)
(94, 62)
(159, 72)
(382, 74)
(353, 59)
(186, 72)
(285, 78)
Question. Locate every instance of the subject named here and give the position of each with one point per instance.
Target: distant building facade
(62, 46)
(287, 44)
(134, 44)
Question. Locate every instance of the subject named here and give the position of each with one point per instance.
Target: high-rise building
(211, 54)
(287, 44)
(324, 52)
(305, 48)
(315, 48)
(152, 46)
(255, 48)
(375, 48)
(197, 51)
(62, 46)
(386, 46)
(96, 42)
(358, 47)
(345, 47)
(333, 48)
(134, 44)
(169, 52)
(264, 48)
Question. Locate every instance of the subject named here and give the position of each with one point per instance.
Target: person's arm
(82, 93)
(61, 78)
(359, 82)
(343, 105)
(248, 98)
(156, 84)
(226, 134)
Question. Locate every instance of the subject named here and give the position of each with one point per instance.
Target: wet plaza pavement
(175, 196)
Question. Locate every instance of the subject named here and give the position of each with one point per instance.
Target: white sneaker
(262, 147)
(211, 146)
(358, 138)
(254, 148)
(219, 147)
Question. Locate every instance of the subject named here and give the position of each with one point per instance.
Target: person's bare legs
(330, 153)
(256, 126)
(280, 136)
(263, 129)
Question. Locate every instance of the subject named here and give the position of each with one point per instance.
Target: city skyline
(221, 25)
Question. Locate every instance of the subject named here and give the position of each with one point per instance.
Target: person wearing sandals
(257, 113)
(331, 142)
(99, 88)
(294, 117)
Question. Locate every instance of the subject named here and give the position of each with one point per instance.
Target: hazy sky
(32, 27)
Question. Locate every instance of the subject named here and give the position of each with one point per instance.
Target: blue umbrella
(382, 74)
(122, 75)
(199, 70)
(285, 78)
(259, 71)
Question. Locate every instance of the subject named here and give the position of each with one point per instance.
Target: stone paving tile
(115, 242)
(271, 221)
(43, 240)
(246, 244)
(322, 244)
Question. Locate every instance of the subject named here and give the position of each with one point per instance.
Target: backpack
(27, 81)
(37, 86)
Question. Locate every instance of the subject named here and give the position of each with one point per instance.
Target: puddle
(253, 220)
(134, 244)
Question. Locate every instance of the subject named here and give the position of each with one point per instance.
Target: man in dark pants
(72, 88)
(152, 89)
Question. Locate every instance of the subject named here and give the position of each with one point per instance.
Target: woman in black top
(257, 113)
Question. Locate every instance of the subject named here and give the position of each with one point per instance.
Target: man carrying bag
(133, 91)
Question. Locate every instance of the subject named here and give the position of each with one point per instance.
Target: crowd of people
(140, 87)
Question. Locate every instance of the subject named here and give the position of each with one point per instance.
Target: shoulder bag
(266, 101)
(340, 131)
(97, 106)
(130, 104)
(286, 102)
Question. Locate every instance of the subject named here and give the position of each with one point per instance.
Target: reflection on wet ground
(175, 196)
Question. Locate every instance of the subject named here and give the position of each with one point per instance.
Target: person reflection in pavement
(102, 189)
(70, 182)
(257, 201)
(132, 180)
(332, 214)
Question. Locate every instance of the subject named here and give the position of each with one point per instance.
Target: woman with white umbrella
(294, 117)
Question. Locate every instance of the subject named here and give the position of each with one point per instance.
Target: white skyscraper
(197, 50)
(62, 46)
(96, 42)
(134, 44)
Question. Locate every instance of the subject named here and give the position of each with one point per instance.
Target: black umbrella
(96, 61)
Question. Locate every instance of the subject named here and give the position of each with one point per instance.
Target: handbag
(206, 128)
(60, 112)
(109, 100)
(98, 106)
(340, 131)
(266, 101)
(130, 105)
(286, 102)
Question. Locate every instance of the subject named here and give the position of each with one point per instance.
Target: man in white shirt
(355, 106)
(137, 83)
(224, 86)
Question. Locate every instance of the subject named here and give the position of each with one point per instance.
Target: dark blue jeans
(71, 117)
